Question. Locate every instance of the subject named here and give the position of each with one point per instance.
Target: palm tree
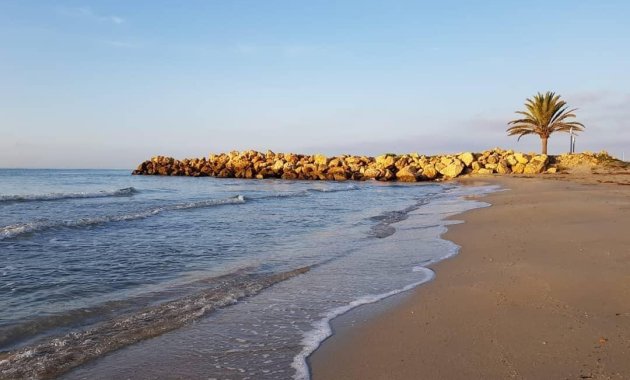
(545, 115)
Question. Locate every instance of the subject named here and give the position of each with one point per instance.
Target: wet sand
(539, 290)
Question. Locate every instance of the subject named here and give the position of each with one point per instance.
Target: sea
(107, 275)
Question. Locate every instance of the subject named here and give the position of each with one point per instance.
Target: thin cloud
(588, 98)
(116, 19)
(88, 13)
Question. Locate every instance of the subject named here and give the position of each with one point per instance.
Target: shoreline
(519, 300)
(125, 361)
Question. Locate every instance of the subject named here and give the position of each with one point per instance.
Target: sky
(108, 84)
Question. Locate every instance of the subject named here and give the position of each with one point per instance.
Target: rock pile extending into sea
(411, 167)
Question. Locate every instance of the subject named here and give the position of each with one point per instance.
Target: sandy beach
(539, 290)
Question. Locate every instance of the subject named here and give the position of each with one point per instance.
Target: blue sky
(107, 84)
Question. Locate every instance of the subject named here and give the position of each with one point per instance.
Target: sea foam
(57, 355)
(127, 191)
(322, 328)
(15, 230)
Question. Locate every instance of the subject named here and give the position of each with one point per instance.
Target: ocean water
(108, 275)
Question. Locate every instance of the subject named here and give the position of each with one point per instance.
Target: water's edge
(325, 329)
(52, 357)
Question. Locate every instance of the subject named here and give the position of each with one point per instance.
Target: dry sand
(540, 290)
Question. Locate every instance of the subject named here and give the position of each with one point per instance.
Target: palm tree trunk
(544, 144)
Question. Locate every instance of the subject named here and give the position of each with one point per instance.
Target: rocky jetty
(411, 167)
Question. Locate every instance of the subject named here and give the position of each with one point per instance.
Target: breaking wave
(306, 192)
(384, 227)
(127, 191)
(336, 190)
(15, 230)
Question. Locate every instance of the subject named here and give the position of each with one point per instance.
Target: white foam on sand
(322, 328)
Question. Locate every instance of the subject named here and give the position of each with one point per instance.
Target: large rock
(521, 158)
(337, 173)
(503, 168)
(407, 174)
(278, 166)
(518, 168)
(467, 158)
(385, 161)
(446, 160)
(386, 176)
(336, 161)
(292, 158)
(401, 162)
(493, 159)
(429, 171)
(490, 166)
(372, 173)
(537, 164)
(206, 170)
(453, 169)
(320, 159)
(511, 160)
(240, 163)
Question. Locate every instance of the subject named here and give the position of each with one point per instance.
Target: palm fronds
(545, 114)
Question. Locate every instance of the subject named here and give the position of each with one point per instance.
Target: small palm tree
(545, 115)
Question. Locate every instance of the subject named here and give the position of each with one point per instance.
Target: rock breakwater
(411, 167)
